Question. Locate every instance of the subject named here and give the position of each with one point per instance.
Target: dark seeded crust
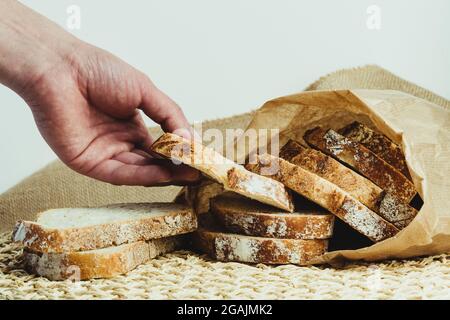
(330, 197)
(398, 213)
(379, 144)
(233, 247)
(369, 194)
(41, 239)
(332, 170)
(248, 217)
(362, 160)
(96, 264)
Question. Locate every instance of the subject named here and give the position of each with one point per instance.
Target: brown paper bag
(420, 127)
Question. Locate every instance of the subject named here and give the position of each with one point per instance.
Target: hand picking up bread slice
(249, 217)
(233, 176)
(379, 144)
(362, 160)
(327, 195)
(69, 230)
(364, 190)
(100, 263)
(225, 246)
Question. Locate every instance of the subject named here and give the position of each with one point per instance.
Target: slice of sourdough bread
(362, 160)
(364, 190)
(233, 176)
(100, 263)
(244, 216)
(332, 170)
(69, 230)
(225, 246)
(379, 144)
(398, 213)
(329, 196)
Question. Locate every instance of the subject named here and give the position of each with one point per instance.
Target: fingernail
(188, 134)
(183, 132)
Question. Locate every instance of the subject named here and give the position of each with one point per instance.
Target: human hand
(86, 103)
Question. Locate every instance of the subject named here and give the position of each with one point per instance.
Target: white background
(219, 58)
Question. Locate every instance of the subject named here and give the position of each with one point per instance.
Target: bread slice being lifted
(364, 190)
(99, 263)
(231, 175)
(71, 230)
(328, 196)
(244, 216)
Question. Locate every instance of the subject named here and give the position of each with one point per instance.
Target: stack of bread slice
(255, 220)
(364, 151)
(239, 229)
(355, 174)
(88, 243)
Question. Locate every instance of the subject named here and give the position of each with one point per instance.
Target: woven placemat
(186, 275)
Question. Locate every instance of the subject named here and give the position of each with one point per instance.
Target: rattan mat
(186, 275)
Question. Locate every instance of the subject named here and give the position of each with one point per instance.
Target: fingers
(147, 140)
(163, 110)
(133, 157)
(120, 173)
(184, 175)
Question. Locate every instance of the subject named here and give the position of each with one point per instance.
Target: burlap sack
(57, 186)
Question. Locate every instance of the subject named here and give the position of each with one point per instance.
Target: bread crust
(48, 240)
(362, 160)
(329, 196)
(364, 190)
(379, 144)
(202, 194)
(94, 264)
(247, 217)
(240, 248)
(252, 186)
(330, 169)
(398, 213)
(232, 176)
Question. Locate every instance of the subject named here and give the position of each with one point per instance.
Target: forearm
(29, 45)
